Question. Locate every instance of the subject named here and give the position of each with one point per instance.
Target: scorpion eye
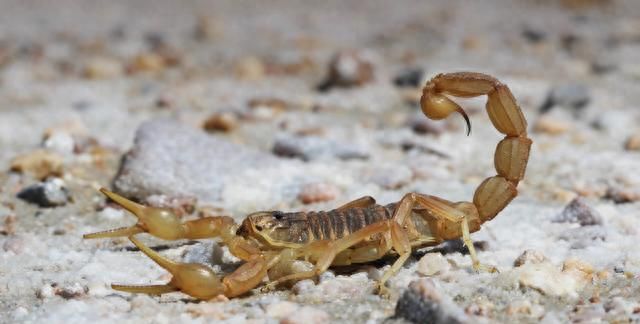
(278, 215)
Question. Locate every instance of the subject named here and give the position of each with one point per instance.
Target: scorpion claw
(116, 232)
(159, 222)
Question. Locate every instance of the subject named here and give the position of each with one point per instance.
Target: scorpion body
(360, 231)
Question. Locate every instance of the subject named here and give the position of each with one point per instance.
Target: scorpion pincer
(270, 242)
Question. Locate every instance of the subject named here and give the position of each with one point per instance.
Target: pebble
(60, 142)
(318, 192)
(525, 307)
(51, 193)
(250, 68)
(622, 195)
(348, 69)
(39, 163)
(573, 96)
(422, 125)
(147, 62)
(433, 264)
(13, 244)
(530, 256)
(551, 125)
(179, 161)
(549, 280)
(411, 77)
(579, 211)
(102, 68)
(221, 122)
(310, 148)
(422, 302)
(633, 143)
(307, 315)
(281, 309)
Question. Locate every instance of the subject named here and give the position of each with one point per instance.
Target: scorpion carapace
(270, 242)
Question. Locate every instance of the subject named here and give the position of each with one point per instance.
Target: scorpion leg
(198, 280)
(324, 252)
(164, 224)
(361, 202)
(447, 220)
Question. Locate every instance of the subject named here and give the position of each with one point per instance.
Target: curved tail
(512, 153)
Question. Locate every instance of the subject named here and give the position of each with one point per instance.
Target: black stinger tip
(466, 119)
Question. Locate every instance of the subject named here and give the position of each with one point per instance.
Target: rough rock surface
(177, 160)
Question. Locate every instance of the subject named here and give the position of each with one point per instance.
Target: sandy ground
(115, 94)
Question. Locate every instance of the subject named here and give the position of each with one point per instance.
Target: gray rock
(315, 148)
(578, 211)
(423, 303)
(50, 193)
(176, 160)
(410, 77)
(573, 96)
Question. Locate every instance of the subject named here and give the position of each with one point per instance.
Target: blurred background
(228, 107)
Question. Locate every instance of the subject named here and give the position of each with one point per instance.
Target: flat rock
(176, 160)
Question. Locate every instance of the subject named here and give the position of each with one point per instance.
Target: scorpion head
(266, 226)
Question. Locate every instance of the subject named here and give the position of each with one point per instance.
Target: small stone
(60, 142)
(70, 292)
(578, 211)
(422, 125)
(147, 62)
(175, 160)
(13, 244)
(318, 192)
(551, 125)
(633, 143)
(578, 268)
(40, 163)
(622, 195)
(529, 256)
(534, 35)
(315, 148)
(207, 29)
(549, 280)
(573, 96)
(281, 309)
(51, 193)
(46, 291)
(307, 315)
(221, 122)
(9, 227)
(524, 307)
(411, 77)
(102, 68)
(423, 303)
(250, 68)
(433, 264)
(348, 69)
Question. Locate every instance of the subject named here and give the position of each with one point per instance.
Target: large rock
(168, 158)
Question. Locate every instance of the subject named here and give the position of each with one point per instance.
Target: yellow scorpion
(269, 242)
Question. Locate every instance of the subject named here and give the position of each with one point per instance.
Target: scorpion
(271, 242)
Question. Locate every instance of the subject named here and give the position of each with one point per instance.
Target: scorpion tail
(512, 153)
